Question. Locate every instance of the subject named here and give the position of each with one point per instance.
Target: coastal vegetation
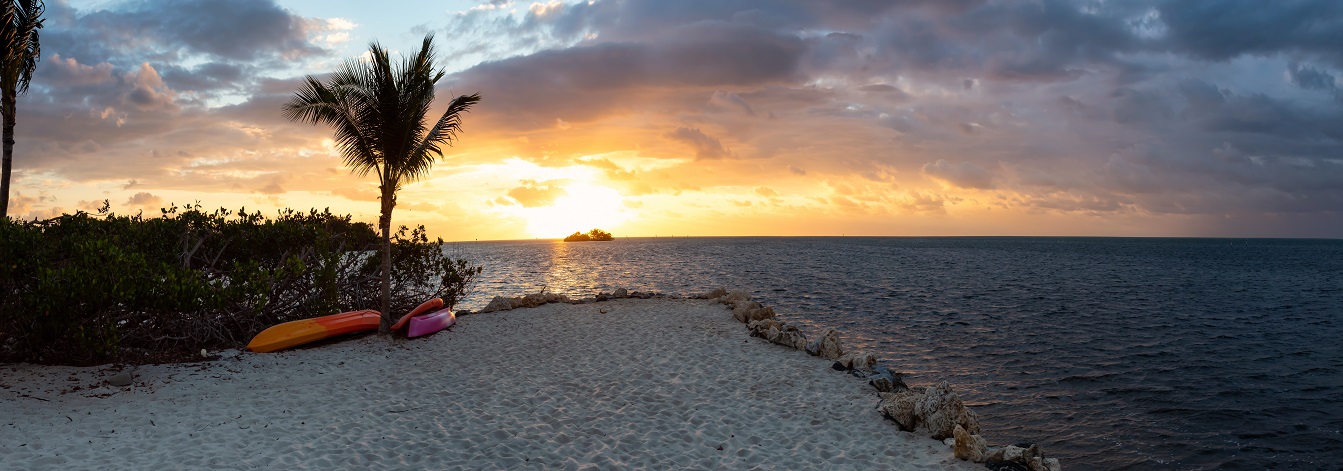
(86, 288)
(19, 22)
(592, 235)
(377, 110)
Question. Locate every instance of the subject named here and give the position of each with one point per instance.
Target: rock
(500, 303)
(949, 442)
(827, 346)
(742, 309)
(886, 381)
(747, 311)
(761, 328)
(940, 411)
(123, 378)
(777, 332)
(863, 361)
(621, 293)
(882, 382)
(1036, 464)
(715, 294)
(968, 447)
(789, 336)
(734, 297)
(762, 313)
(1023, 457)
(858, 361)
(899, 407)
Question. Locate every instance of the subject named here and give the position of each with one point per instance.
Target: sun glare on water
(583, 207)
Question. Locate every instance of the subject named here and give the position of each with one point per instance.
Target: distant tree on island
(595, 234)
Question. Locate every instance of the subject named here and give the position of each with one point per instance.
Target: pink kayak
(421, 309)
(430, 323)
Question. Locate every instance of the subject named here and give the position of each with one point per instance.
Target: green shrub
(87, 288)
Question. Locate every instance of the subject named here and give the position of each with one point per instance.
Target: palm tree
(19, 22)
(378, 111)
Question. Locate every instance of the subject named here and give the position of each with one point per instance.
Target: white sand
(659, 384)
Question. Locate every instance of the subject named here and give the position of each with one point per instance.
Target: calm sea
(1112, 353)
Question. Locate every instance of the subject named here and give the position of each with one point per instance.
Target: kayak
(421, 309)
(430, 323)
(294, 333)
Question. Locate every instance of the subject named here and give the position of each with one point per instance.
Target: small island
(595, 234)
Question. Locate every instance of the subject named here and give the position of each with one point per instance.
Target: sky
(718, 117)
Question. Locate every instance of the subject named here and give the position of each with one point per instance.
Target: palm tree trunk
(385, 223)
(10, 97)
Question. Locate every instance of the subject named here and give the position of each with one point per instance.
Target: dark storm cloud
(1221, 30)
(207, 77)
(1311, 78)
(112, 82)
(1046, 40)
(236, 30)
(581, 82)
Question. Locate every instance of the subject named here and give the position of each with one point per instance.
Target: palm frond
(444, 132)
(377, 109)
(20, 21)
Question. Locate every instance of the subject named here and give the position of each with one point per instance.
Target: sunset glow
(710, 118)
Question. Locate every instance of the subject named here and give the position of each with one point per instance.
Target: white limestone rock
(827, 346)
(968, 447)
(941, 410)
(899, 406)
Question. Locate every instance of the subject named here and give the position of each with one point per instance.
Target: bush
(87, 288)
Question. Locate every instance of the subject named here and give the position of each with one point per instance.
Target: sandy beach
(657, 384)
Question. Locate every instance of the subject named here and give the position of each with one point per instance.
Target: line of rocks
(502, 303)
(936, 410)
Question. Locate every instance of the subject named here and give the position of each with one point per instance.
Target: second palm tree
(378, 111)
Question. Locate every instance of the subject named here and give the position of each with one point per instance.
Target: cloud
(69, 72)
(1227, 29)
(963, 175)
(865, 109)
(581, 83)
(147, 89)
(235, 30)
(533, 194)
(143, 200)
(1311, 78)
(705, 147)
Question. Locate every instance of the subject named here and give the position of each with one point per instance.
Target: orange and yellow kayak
(289, 334)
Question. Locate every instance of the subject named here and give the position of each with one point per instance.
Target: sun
(584, 206)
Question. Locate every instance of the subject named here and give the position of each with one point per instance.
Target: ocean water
(1111, 353)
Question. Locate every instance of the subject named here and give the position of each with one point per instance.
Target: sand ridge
(658, 384)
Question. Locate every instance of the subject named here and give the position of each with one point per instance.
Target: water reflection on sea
(1111, 353)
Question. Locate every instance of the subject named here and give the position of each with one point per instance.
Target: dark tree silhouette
(378, 111)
